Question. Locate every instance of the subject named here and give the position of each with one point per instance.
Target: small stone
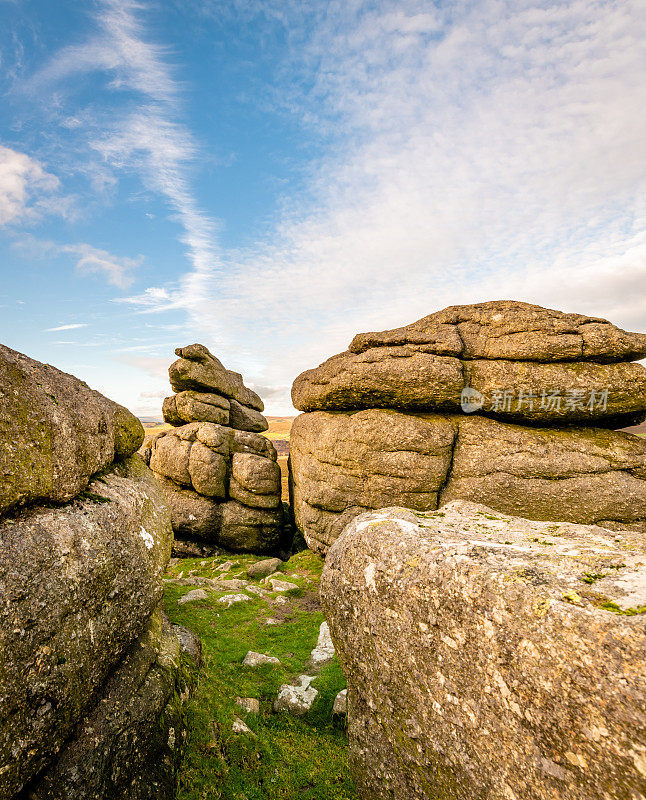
(229, 599)
(257, 590)
(280, 600)
(324, 650)
(253, 659)
(261, 569)
(282, 586)
(225, 567)
(194, 594)
(250, 704)
(340, 706)
(273, 621)
(296, 700)
(240, 727)
(233, 584)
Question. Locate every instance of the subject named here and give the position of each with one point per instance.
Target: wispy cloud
(147, 137)
(70, 327)
(471, 151)
(25, 187)
(118, 270)
(483, 150)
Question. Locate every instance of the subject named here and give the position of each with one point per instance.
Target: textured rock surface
(529, 364)
(128, 745)
(79, 583)
(245, 418)
(55, 432)
(346, 462)
(576, 474)
(196, 407)
(221, 476)
(223, 485)
(508, 329)
(481, 661)
(197, 369)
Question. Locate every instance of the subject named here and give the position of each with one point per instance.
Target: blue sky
(271, 177)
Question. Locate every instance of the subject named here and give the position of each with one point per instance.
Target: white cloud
(70, 327)
(24, 186)
(473, 151)
(148, 140)
(118, 270)
(490, 149)
(91, 260)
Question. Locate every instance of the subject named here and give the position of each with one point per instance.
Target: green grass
(297, 758)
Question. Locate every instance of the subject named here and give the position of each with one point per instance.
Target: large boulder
(523, 363)
(490, 658)
(344, 463)
(512, 330)
(532, 392)
(79, 584)
(586, 475)
(198, 369)
(55, 431)
(129, 743)
(222, 485)
(190, 406)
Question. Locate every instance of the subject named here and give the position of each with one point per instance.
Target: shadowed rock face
(129, 743)
(502, 350)
(344, 463)
(484, 665)
(55, 431)
(79, 584)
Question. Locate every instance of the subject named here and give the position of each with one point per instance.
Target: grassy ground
(285, 757)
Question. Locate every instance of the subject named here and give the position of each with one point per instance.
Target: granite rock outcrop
(484, 403)
(85, 535)
(490, 657)
(221, 476)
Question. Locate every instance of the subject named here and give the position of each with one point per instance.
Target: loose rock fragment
(253, 659)
(296, 700)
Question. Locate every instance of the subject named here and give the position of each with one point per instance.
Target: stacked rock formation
(221, 477)
(386, 422)
(495, 657)
(92, 680)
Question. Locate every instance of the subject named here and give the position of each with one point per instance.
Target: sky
(270, 177)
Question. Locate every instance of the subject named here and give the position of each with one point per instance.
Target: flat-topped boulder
(495, 657)
(56, 432)
(522, 363)
(343, 463)
(512, 330)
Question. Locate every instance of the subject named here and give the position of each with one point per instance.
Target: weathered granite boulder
(55, 432)
(490, 658)
(222, 479)
(525, 363)
(344, 463)
(196, 407)
(586, 475)
(222, 485)
(91, 684)
(196, 368)
(79, 583)
(129, 742)
(512, 330)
